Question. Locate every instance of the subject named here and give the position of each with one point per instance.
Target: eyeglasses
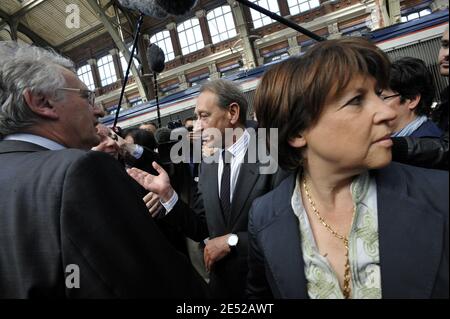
(384, 98)
(86, 94)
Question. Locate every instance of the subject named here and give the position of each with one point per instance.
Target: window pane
(414, 15)
(190, 35)
(424, 12)
(221, 24)
(85, 75)
(260, 19)
(106, 70)
(297, 6)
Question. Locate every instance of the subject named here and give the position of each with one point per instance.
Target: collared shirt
(411, 127)
(238, 150)
(35, 139)
(364, 254)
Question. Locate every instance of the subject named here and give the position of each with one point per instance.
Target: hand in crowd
(107, 143)
(159, 184)
(124, 145)
(215, 250)
(153, 203)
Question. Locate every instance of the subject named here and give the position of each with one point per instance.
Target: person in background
(139, 149)
(107, 144)
(440, 113)
(346, 223)
(429, 152)
(226, 189)
(189, 124)
(410, 94)
(150, 126)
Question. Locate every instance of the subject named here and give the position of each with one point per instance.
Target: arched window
(221, 24)
(85, 75)
(298, 6)
(106, 70)
(259, 19)
(190, 36)
(163, 40)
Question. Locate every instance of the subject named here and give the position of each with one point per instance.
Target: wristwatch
(232, 241)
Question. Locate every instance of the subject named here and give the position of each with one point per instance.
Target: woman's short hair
(292, 95)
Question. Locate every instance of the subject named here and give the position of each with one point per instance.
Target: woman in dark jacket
(347, 223)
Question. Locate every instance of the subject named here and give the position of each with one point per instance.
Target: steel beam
(120, 45)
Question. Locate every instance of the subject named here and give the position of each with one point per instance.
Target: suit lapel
(248, 175)
(409, 256)
(288, 274)
(210, 193)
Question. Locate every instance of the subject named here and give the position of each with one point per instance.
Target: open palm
(158, 184)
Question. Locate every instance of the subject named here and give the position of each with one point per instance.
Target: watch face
(232, 240)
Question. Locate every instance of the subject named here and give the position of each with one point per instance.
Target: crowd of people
(356, 208)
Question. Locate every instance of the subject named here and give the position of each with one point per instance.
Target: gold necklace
(346, 291)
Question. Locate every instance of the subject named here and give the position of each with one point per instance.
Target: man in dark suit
(72, 224)
(227, 188)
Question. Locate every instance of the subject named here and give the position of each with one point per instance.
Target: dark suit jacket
(427, 129)
(75, 207)
(413, 237)
(228, 277)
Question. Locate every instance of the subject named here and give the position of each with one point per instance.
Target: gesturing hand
(158, 184)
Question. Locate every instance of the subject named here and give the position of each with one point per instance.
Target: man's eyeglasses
(86, 94)
(387, 97)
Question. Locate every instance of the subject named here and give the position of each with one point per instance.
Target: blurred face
(211, 115)
(129, 139)
(352, 133)
(443, 55)
(77, 117)
(404, 111)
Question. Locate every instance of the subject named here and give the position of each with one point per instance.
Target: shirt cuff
(170, 203)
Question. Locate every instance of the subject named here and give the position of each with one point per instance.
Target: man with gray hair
(226, 188)
(72, 222)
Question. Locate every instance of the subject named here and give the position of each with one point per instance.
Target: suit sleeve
(107, 232)
(257, 284)
(191, 221)
(428, 152)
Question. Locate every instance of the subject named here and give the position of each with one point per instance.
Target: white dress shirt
(238, 151)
